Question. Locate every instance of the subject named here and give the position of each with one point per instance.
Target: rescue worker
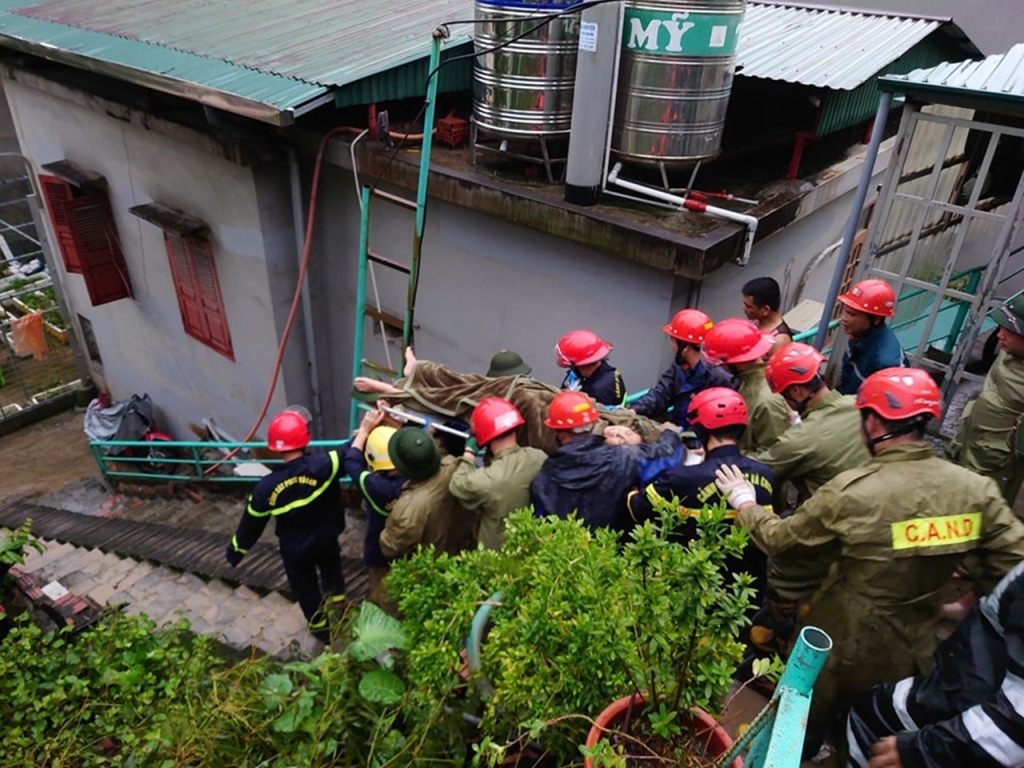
(304, 498)
(991, 439)
(968, 710)
(502, 485)
(740, 347)
(669, 399)
(584, 353)
(824, 443)
(719, 417)
(871, 345)
(424, 513)
(366, 461)
(885, 538)
(508, 363)
(761, 301)
(587, 475)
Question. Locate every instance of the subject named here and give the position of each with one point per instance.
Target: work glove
(233, 557)
(473, 447)
(736, 488)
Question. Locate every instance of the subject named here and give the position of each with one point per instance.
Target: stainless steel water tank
(524, 89)
(675, 75)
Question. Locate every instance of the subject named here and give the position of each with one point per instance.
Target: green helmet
(1011, 314)
(414, 453)
(507, 363)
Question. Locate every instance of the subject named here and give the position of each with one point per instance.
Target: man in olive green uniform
(826, 441)
(888, 535)
(740, 347)
(424, 512)
(502, 486)
(988, 439)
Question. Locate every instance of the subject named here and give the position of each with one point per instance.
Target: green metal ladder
(368, 258)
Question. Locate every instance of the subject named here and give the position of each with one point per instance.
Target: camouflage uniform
(885, 538)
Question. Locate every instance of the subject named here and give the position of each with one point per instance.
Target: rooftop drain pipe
(691, 205)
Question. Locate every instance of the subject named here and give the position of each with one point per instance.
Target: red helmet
(689, 325)
(717, 407)
(795, 363)
(581, 347)
(875, 297)
(569, 410)
(288, 431)
(900, 393)
(735, 340)
(494, 417)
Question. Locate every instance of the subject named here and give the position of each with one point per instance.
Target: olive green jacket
(767, 415)
(498, 489)
(826, 442)
(983, 442)
(886, 537)
(425, 513)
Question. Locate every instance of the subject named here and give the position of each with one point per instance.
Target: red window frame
(87, 238)
(199, 298)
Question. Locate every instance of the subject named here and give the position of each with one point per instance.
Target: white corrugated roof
(999, 77)
(827, 47)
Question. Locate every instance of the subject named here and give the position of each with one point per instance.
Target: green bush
(583, 620)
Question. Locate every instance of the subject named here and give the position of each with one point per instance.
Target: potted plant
(585, 618)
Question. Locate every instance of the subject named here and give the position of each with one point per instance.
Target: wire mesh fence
(36, 359)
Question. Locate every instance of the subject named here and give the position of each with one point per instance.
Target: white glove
(738, 491)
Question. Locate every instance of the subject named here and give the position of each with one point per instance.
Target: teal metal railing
(184, 461)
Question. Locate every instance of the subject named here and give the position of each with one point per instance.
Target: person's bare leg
(366, 384)
(410, 361)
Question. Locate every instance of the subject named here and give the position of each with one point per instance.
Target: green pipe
(357, 354)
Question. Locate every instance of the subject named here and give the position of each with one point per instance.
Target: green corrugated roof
(995, 82)
(262, 58)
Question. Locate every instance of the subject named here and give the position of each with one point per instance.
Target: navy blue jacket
(675, 388)
(877, 349)
(379, 490)
(304, 498)
(592, 478)
(604, 384)
(695, 487)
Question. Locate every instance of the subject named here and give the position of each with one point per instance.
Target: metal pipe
(615, 96)
(299, 219)
(692, 205)
(424, 421)
(877, 131)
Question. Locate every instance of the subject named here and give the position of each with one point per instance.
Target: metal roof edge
(854, 9)
(210, 96)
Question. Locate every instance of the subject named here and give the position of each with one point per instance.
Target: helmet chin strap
(872, 442)
(703, 433)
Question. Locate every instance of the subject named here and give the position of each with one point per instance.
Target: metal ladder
(368, 258)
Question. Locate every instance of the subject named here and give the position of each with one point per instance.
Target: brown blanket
(438, 389)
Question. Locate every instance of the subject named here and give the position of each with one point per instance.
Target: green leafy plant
(583, 620)
(13, 545)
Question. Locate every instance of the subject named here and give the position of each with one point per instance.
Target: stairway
(236, 616)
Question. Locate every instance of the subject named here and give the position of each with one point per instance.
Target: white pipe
(299, 224)
(692, 205)
(615, 94)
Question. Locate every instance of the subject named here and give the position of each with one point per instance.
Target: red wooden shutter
(185, 285)
(98, 249)
(58, 193)
(208, 288)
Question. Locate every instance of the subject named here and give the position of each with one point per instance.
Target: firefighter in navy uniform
(719, 418)
(584, 353)
(304, 498)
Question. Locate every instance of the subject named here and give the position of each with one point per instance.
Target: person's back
(769, 417)
(968, 709)
(502, 485)
(824, 443)
(425, 513)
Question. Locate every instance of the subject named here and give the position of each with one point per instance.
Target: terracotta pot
(713, 736)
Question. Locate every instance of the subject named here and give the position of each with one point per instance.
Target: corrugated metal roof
(829, 47)
(998, 78)
(253, 57)
(317, 41)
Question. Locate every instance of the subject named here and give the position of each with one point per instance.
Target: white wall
(141, 340)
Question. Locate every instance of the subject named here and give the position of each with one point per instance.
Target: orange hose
(310, 219)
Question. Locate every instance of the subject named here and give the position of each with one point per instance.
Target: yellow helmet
(377, 449)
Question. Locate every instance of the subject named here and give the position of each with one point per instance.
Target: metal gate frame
(983, 298)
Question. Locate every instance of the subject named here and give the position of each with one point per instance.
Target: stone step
(238, 617)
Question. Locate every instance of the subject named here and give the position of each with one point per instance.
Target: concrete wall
(141, 340)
